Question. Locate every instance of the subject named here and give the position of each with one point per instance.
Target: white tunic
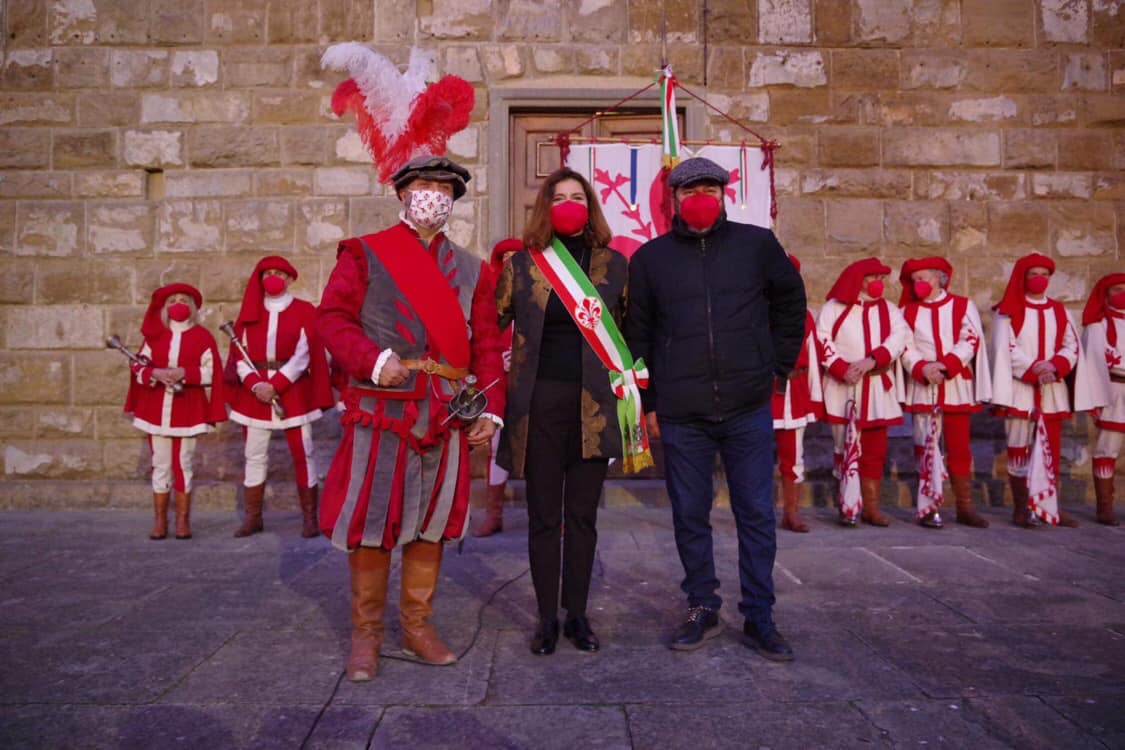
(1013, 355)
(1094, 388)
(938, 337)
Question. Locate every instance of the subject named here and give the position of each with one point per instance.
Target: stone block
(939, 147)
(462, 61)
(26, 23)
(152, 274)
(865, 69)
(1108, 25)
(123, 23)
(833, 21)
(138, 68)
(1052, 110)
(63, 282)
(1080, 229)
(968, 223)
(25, 148)
(55, 327)
(259, 225)
(998, 23)
(989, 109)
(72, 22)
(28, 70)
(882, 21)
(257, 66)
(110, 423)
(177, 21)
(784, 21)
(502, 61)
(238, 22)
(606, 21)
(1004, 70)
(106, 184)
(371, 214)
(53, 459)
(233, 146)
(307, 144)
(1029, 149)
(288, 108)
(1062, 185)
(342, 181)
(286, 181)
(84, 148)
(195, 68)
(558, 59)
(102, 377)
(1109, 186)
(680, 21)
(63, 422)
(1085, 150)
(598, 61)
(972, 186)
(36, 109)
(726, 70)
(109, 109)
(916, 223)
(55, 228)
(1015, 226)
(293, 23)
(195, 107)
(120, 228)
(17, 422)
(932, 69)
(804, 69)
(19, 184)
(848, 147)
(855, 221)
(855, 183)
(792, 106)
(1085, 71)
(345, 20)
(219, 183)
(1064, 20)
(17, 282)
(7, 227)
(34, 378)
(321, 223)
(189, 226)
(224, 279)
(1104, 110)
(801, 225)
(636, 59)
(154, 148)
(530, 21)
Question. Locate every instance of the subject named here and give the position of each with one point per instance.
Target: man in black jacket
(718, 312)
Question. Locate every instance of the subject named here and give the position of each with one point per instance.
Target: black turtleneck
(560, 349)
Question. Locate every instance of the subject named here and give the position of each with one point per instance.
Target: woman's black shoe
(546, 636)
(578, 631)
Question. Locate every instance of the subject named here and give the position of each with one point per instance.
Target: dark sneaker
(767, 641)
(702, 624)
(578, 631)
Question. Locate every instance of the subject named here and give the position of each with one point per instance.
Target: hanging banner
(632, 186)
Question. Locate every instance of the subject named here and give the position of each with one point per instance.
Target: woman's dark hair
(538, 232)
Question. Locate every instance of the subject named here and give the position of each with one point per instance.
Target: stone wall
(148, 141)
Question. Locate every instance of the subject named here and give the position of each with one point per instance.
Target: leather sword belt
(270, 364)
(430, 367)
(1117, 378)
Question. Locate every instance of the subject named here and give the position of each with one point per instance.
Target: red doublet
(155, 408)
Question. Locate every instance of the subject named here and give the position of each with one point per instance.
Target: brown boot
(160, 506)
(183, 515)
(493, 521)
(1020, 515)
(252, 522)
(310, 527)
(963, 495)
(421, 563)
(370, 568)
(869, 488)
(790, 518)
(1103, 489)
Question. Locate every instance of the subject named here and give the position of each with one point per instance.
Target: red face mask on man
(700, 211)
(273, 285)
(568, 218)
(1037, 284)
(1117, 300)
(874, 288)
(179, 312)
(922, 289)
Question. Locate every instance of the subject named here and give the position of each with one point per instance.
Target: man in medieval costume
(947, 377)
(1034, 346)
(393, 316)
(283, 386)
(863, 336)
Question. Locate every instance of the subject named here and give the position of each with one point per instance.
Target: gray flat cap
(432, 167)
(699, 169)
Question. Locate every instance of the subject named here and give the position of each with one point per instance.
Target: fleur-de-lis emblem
(588, 313)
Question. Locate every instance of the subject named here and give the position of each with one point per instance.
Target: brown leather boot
(309, 525)
(252, 522)
(790, 518)
(963, 495)
(1020, 515)
(183, 515)
(869, 489)
(160, 507)
(493, 521)
(1103, 489)
(421, 563)
(1066, 520)
(370, 568)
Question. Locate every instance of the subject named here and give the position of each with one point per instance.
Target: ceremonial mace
(114, 342)
(228, 329)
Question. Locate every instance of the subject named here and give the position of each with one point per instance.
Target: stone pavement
(904, 637)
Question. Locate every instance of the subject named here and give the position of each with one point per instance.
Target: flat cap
(433, 167)
(699, 169)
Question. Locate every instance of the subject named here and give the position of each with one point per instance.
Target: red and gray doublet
(401, 473)
(800, 405)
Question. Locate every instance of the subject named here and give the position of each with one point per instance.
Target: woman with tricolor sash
(573, 399)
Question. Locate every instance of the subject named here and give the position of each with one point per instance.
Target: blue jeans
(746, 445)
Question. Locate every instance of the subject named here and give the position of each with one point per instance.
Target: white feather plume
(387, 93)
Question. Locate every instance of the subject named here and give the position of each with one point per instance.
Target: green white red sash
(626, 376)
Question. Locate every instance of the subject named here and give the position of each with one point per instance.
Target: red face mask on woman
(699, 211)
(179, 312)
(1037, 284)
(274, 285)
(569, 218)
(874, 288)
(1117, 300)
(922, 289)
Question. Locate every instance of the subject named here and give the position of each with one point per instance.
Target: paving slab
(505, 728)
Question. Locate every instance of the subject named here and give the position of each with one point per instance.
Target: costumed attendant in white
(862, 336)
(796, 403)
(168, 397)
(288, 368)
(947, 375)
(1101, 383)
(1034, 346)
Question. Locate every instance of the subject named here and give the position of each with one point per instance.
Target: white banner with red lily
(931, 471)
(850, 498)
(632, 186)
(1042, 483)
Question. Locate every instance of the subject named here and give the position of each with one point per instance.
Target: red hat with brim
(1099, 298)
(152, 325)
(850, 284)
(1014, 300)
(934, 262)
(252, 300)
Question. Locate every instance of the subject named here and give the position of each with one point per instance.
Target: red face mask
(568, 218)
(1037, 284)
(922, 289)
(699, 211)
(179, 312)
(875, 289)
(1117, 300)
(274, 285)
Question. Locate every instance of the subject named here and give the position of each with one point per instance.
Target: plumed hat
(432, 167)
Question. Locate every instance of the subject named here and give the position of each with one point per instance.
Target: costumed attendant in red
(797, 402)
(169, 399)
(288, 366)
(946, 365)
(1100, 385)
(393, 317)
(493, 521)
(863, 337)
(1034, 346)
